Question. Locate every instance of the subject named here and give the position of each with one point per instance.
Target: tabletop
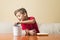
(9, 36)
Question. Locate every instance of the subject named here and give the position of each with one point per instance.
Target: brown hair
(21, 10)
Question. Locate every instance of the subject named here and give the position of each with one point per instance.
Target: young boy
(28, 23)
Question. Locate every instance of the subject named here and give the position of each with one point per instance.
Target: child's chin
(21, 19)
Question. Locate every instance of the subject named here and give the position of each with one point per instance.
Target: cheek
(19, 18)
(23, 17)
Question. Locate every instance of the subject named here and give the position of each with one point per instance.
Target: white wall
(51, 28)
(45, 11)
(6, 27)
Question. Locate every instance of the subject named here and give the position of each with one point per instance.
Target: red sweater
(30, 26)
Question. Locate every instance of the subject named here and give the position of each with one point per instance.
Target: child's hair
(21, 10)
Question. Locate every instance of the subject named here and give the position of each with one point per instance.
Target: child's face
(20, 16)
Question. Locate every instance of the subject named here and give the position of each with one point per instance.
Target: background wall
(45, 11)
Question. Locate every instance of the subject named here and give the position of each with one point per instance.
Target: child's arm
(28, 21)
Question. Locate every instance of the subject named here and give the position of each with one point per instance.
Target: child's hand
(19, 22)
(32, 32)
(16, 23)
(27, 31)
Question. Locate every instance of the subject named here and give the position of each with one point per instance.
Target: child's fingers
(16, 23)
(32, 32)
(27, 31)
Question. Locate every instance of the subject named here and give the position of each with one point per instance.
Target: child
(28, 23)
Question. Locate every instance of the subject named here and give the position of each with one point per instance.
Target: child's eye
(18, 16)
